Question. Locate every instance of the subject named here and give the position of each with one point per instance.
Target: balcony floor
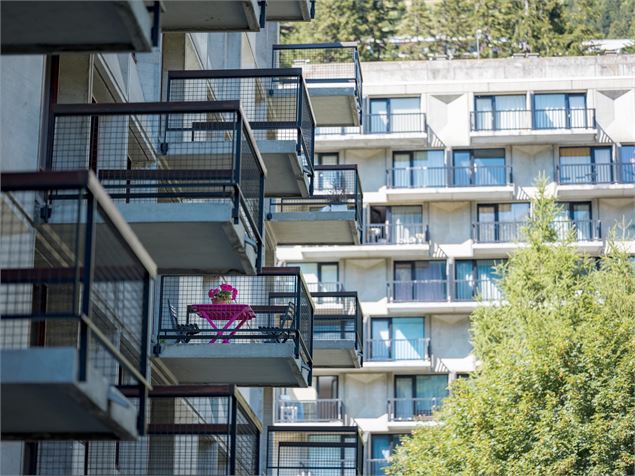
(188, 15)
(334, 106)
(41, 398)
(315, 228)
(328, 142)
(416, 195)
(335, 354)
(285, 174)
(533, 136)
(251, 364)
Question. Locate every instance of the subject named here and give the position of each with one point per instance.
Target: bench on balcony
(282, 333)
(184, 332)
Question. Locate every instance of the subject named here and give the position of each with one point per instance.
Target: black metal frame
(331, 316)
(301, 118)
(351, 196)
(355, 78)
(93, 206)
(204, 183)
(296, 302)
(343, 432)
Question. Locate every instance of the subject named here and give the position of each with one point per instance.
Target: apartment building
(154, 154)
(448, 154)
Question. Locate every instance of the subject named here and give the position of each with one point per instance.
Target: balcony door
(406, 225)
(398, 338)
(416, 169)
(420, 281)
(476, 277)
(326, 389)
(395, 115)
(479, 167)
(576, 216)
(382, 447)
(493, 113)
(500, 222)
(586, 165)
(560, 111)
(418, 395)
(627, 164)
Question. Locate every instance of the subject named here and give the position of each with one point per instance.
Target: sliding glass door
(398, 338)
(395, 115)
(418, 395)
(420, 281)
(479, 167)
(415, 169)
(586, 165)
(560, 111)
(497, 113)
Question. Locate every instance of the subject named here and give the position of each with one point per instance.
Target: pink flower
(213, 292)
(226, 287)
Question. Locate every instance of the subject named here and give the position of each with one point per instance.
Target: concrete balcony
(207, 429)
(276, 104)
(337, 330)
(378, 130)
(332, 215)
(291, 10)
(552, 126)
(321, 411)
(212, 15)
(44, 27)
(398, 354)
(74, 301)
(416, 184)
(263, 339)
(186, 176)
(592, 180)
(334, 77)
(314, 449)
(405, 413)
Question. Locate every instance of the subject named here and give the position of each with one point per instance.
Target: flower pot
(221, 301)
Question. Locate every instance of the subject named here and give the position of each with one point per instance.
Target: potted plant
(223, 294)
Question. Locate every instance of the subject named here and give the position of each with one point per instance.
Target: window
(479, 167)
(575, 216)
(415, 169)
(627, 164)
(500, 222)
(396, 225)
(382, 447)
(395, 115)
(496, 113)
(420, 281)
(328, 159)
(320, 277)
(398, 338)
(418, 395)
(560, 111)
(585, 165)
(476, 277)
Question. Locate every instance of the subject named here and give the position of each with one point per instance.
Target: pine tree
(554, 393)
(417, 29)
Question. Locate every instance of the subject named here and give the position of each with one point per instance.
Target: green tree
(554, 393)
(418, 26)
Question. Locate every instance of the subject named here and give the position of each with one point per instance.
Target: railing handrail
(233, 73)
(418, 281)
(309, 46)
(416, 339)
(452, 167)
(414, 399)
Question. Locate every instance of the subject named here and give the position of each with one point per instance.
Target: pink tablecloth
(234, 316)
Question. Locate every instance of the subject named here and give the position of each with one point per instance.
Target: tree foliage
(419, 29)
(554, 393)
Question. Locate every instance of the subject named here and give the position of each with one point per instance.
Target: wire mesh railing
(337, 188)
(197, 152)
(412, 409)
(75, 276)
(191, 430)
(275, 307)
(293, 450)
(390, 350)
(330, 64)
(439, 177)
(308, 411)
(527, 119)
(338, 316)
(397, 234)
(275, 102)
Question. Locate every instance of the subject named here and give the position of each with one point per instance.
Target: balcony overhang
(398, 365)
(208, 16)
(289, 10)
(408, 140)
(589, 191)
(334, 105)
(328, 227)
(42, 398)
(416, 195)
(251, 365)
(43, 27)
(435, 307)
(285, 173)
(336, 354)
(496, 250)
(205, 234)
(533, 136)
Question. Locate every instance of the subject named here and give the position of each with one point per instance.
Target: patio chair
(281, 333)
(184, 331)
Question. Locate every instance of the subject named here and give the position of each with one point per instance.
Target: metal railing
(590, 173)
(211, 428)
(326, 63)
(314, 449)
(526, 119)
(412, 409)
(581, 230)
(336, 188)
(325, 287)
(486, 289)
(309, 411)
(498, 231)
(439, 177)
(376, 466)
(165, 153)
(397, 234)
(425, 290)
(394, 123)
(74, 275)
(386, 350)
(338, 316)
(275, 102)
(281, 303)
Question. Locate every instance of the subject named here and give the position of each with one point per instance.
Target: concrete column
(267, 419)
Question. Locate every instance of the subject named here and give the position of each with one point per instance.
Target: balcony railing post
(87, 282)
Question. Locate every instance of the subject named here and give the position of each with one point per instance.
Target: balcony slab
(335, 354)
(416, 195)
(334, 106)
(404, 140)
(285, 174)
(531, 136)
(590, 191)
(208, 16)
(330, 227)
(289, 10)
